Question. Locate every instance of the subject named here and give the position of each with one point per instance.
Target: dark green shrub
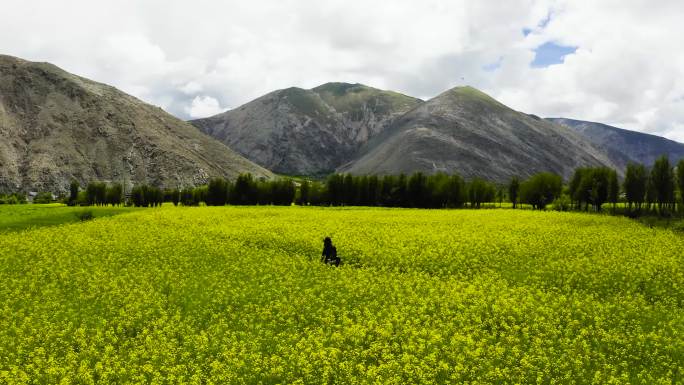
(85, 215)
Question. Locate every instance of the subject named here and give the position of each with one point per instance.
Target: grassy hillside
(237, 295)
(353, 99)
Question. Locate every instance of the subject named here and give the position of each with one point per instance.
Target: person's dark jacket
(329, 255)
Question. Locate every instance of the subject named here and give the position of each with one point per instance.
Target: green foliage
(245, 191)
(217, 192)
(43, 198)
(418, 190)
(356, 99)
(281, 192)
(187, 198)
(456, 191)
(308, 103)
(635, 183)
(85, 215)
(594, 186)
(21, 217)
(236, 295)
(73, 193)
(480, 191)
(173, 196)
(96, 193)
(514, 190)
(541, 189)
(114, 194)
(304, 196)
(562, 203)
(418, 194)
(680, 180)
(663, 184)
(12, 199)
(146, 196)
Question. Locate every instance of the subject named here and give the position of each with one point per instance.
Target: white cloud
(203, 106)
(192, 87)
(628, 69)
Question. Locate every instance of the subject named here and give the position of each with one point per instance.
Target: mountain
(464, 130)
(55, 127)
(307, 132)
(623, 146)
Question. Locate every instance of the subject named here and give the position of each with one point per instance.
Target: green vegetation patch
(475, 95)
(238, 295)
(308, 103)
(22, 217)
(353, 98)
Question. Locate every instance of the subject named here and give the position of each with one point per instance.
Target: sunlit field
(234, 295)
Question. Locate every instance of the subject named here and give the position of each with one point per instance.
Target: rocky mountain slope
(55, 126)
(307, 132)
(623, 146)
(464, 130)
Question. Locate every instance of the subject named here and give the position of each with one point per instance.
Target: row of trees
(654, 188)
(539, 191)
(589, 188)
(416, 190)
(643, 189)
(95, 194)
(249, 191)
(246, 190)
(593, 187)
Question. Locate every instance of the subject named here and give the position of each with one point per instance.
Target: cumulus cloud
(195, 58)
(203, 106)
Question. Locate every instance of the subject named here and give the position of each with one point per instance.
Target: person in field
(329, 254)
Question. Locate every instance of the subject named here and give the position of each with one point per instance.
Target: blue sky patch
(551, 53)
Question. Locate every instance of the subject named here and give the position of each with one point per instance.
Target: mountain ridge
(310, 132)
(466, 131)
(624, 146)
(56, 126)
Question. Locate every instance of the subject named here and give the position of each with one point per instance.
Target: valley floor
(238, 295)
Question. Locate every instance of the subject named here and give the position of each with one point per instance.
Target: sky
(615, 62)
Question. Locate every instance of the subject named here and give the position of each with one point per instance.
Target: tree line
(643, 190)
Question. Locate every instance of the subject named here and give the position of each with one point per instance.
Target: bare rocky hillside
(55, 127)
(623, 146)
(464, 130)
(307, 132)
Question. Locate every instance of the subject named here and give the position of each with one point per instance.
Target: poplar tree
(662, 177)
(513, 190)
(636, 179)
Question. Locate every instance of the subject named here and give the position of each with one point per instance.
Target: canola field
(237, 295)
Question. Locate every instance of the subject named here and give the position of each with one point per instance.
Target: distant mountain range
(464, 130)
(623, 146)
(55, 127)
(353, 128)
(362, 130)
(308, 132)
